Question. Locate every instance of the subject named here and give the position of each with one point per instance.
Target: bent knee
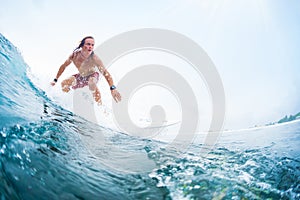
(92, 80)
(70, 81)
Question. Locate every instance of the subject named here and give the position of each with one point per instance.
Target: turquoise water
(44, 154)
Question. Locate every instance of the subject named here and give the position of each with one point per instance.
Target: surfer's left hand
(116, 95)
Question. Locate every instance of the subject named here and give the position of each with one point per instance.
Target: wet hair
(82, 42)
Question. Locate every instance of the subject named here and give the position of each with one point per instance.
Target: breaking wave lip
(42, 149)
(43, 153)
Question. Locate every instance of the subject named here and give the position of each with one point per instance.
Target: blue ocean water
(45, 153)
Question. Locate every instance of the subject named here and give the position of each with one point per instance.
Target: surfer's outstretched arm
(61, 70)
(114, 92)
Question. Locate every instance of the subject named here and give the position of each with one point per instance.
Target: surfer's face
(88, 45)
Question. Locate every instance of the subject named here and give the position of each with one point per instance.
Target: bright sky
(254, 44)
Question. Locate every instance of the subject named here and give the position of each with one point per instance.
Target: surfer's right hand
(53, 82)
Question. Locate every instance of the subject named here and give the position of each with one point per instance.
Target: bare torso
(85, 66)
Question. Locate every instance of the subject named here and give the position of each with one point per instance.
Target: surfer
(86, 62)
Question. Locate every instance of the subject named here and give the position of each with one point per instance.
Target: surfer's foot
(97, 96)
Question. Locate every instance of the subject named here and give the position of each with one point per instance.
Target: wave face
(44, 154)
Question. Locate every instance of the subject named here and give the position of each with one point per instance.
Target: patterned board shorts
(82, 81)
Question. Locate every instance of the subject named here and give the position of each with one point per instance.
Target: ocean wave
(48, 152)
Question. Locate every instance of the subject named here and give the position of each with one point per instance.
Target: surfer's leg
(92, 83)
(67, 83)
(93, 87)
(97, 96)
